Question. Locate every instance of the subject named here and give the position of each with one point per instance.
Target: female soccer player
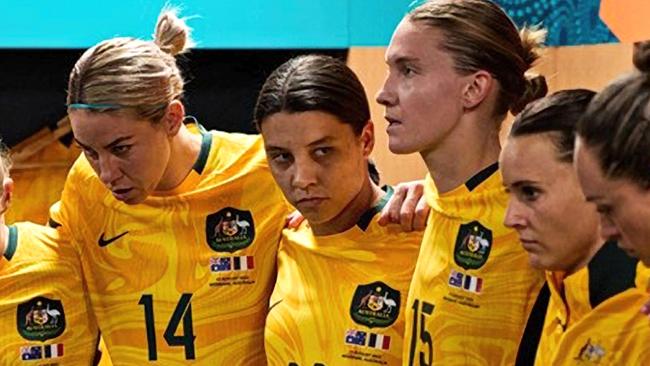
(44, 308)
(613, 156)
(177, 228)
(456, 67)
(593, 311)
(342, 279)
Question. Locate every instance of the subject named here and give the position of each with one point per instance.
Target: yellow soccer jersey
(339, 299)
(473, 288)
(593, 315)
(185, 276)
(44, 309)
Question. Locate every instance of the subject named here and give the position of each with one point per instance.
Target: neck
(368, 196)
(597, 243)
(473, 147)
(185, 148)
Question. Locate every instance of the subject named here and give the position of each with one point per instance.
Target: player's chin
(538, 261)
(133, 197)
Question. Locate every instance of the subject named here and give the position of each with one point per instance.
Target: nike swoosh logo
(104, 242)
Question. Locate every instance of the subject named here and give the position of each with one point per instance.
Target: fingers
(391, 212)
(294, 220)
(407, 211)
(421, 214)
(645, 309)
(407, 207)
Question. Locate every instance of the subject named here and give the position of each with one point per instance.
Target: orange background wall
(564, 67)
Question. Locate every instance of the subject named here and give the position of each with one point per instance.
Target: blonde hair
(132, 73)
(479, 35)
(5, 164)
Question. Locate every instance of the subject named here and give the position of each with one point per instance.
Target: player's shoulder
(33, 242)
(81, 170)
(231, 147)
(236, 156)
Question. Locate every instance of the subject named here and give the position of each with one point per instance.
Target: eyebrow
(272, 148)
(321, 140)
(401, 60)
(115, 142)
(522, 182)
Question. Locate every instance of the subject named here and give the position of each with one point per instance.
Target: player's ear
(7, 192)
(173, 118)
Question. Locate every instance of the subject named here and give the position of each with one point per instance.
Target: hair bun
(172, 35)
(536, 88)
(641, 56)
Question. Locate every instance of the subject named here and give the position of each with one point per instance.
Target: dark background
(221, 86)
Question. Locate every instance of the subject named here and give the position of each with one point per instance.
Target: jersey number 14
(183, 312)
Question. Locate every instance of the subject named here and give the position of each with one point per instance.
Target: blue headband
(415, 4)
(94, 106)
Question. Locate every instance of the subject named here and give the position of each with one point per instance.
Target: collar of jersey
(367, 216)
(12, 242)
(463, 201)
(577, 294)
(351, 235)
(194, 177)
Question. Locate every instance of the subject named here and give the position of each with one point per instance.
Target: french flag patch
(379, 341)
(53, 350)
(245, 263)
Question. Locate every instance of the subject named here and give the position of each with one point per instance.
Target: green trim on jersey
(12, 243)
(206, 144)
(367, 216)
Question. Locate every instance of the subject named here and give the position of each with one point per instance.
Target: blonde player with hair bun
(177, 228)
(44, 309)
(455, 69)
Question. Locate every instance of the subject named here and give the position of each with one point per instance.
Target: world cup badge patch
(375, 305)
(40, 319)
(473, 245)
(229, 230)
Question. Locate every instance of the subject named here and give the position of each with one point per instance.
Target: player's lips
(392, 120)
(121, 193)
(529, 244)
(310, 202)
(393, 123)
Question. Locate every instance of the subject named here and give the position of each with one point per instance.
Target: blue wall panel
(267, 23)
(569, 22)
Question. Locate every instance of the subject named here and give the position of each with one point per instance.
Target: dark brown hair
(556, 115)
(479, 35)
(617, 123)
(314, 83)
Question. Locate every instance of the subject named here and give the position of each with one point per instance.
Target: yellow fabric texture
(44, 310)
(184, 276)
(613, 332)
(473, 288)
(39, 179)
(323, 280)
